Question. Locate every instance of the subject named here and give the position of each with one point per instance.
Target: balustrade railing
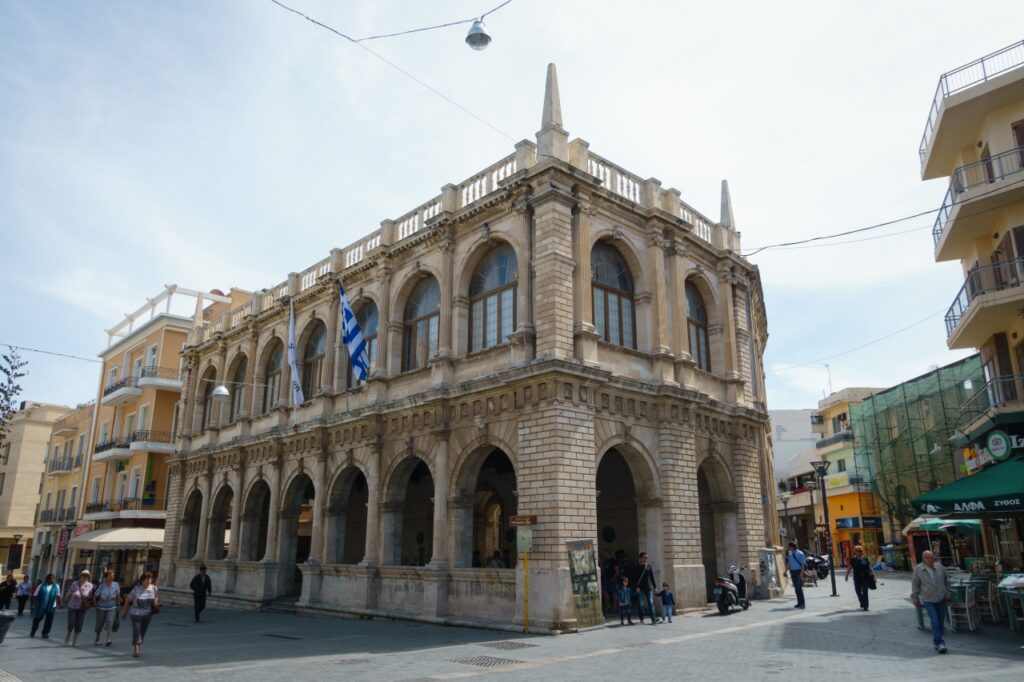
(152, 372)
(111, 445)
(126, 382)
(149, 436)
(127, 504)
(983, 280)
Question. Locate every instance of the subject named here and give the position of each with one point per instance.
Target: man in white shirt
(928, 589)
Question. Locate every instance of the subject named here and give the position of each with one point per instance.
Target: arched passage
(346, 518)
(408, 515)
(485, 499)
(617, 513)
(190, 525)
(220, 523)
(295, 532)
(255, 520)
(718, 531)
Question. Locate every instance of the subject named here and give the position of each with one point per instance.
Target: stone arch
(240, 392)
(404, 290)
(629, 252)
(484, 493)
(264, 353)
(346, 516)
(255, 521)
(190, 522)
(205, 406)
(219, 523)
(708, 291)
(408, 513)
(475, 255)
(716, 330)
(295, 530)
(718, 519)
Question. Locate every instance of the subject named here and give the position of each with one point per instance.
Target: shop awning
(120, 538)
(995, 490)
(933, 524)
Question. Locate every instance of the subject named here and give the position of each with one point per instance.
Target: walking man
(795, 561)
(201, 587)
(644, 584)
(928, 589)
(860, 566)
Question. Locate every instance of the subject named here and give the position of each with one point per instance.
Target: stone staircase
(280, 605)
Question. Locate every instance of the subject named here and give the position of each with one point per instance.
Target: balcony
(962, 98)
(975, 191)
(139, 507)
(48, 516)
(987, 303)
(161, 379)
(121, 392)
(153, 441)
(841, 437)
(118, 448)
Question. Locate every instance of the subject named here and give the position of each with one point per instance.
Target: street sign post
(524, 543)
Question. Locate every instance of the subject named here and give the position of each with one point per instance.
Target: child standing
(625, 597)
(668, 602)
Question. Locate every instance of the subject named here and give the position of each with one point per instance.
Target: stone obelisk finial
(552, 139)
(726, 215)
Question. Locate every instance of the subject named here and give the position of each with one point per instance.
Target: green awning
(994, 490)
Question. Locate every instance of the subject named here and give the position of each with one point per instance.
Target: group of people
(625, 581)
(11, 589)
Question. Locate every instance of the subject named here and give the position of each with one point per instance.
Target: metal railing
(127, 504)
(839, 437)
(48, 515)
(153, 372)
(1002, 390)
(983, 172)
(111, 444)
(149, 436)
(961, 78)
(127, 382)
(983, 280)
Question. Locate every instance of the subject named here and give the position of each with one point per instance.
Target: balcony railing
(111, 444)
(153, 372)
(983, 280)
(48, 515)
(984, 172)
(840, 437)
(978, 71)
(153, 436)
(127, 382)
(127, 504)
(998, 392)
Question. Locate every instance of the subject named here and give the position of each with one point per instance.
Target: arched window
(367, 318)
(313, 360)
(613, 296)
(273, 376)
(697, 323)
(492, 299)
(422, 320)
(209, 383)
(238, 387)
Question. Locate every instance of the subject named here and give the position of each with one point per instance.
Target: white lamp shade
(478, 38)
(221, 393)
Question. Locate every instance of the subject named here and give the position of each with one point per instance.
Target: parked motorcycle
(818, 565)
(731, 591)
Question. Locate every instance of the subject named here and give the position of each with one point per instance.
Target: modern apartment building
(975, 136)
(23, 457)
(553, 337)
(59, 502)
(136, 417)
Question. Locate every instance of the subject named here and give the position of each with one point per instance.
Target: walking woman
(141, 604)
(78, 600)
(860, 566)
(44, 603)
(107, 598)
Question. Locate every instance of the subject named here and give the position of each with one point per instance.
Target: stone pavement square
(771, 641)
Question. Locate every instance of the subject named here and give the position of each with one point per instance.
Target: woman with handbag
(106, 599)
(77, 600)
(141, 605)
(863, 576)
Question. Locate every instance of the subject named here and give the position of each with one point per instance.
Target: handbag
(872, 584)
(154, 609)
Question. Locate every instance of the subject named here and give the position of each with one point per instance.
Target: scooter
(730, 591)
(818, 565)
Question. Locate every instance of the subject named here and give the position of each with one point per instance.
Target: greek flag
(352, 335)
(293, 361)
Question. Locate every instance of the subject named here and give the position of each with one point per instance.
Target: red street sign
(62, 542)
(522, 520)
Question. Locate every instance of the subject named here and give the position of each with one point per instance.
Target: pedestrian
(24, 594)
(7, 590)
(476, 559)
(609, 587)
(496, 561)
(106, 599)
(668, 602)
(643, 585)
(928, 590)
(45, 601)
(860, 566)
(200, 587)
(795, 562)
(625, 599)
(142, 603)
(77, 599)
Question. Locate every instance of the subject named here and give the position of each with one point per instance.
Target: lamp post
(821, 468)
(811, 485)
(784, 499)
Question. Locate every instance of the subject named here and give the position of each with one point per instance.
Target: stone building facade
(553, 337)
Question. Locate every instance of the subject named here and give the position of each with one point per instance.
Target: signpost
(524, 543)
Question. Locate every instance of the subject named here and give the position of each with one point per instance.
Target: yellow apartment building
(135, 422)
(57, 520)
(23, 457)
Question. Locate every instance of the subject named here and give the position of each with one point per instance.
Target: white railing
(618, 180)
(312, 275)
(239, 313)
(702, 227)
(354, 254)
(274, 294)
(414, 221)
(486, 181)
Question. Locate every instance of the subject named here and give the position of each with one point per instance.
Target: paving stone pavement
(771, 641)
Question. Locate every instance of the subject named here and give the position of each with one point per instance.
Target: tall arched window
(272, 372)
(697, 323)
(238, 387)
(209, 383)
(367, 318)
(492, 299)
(613, 296)
(422, 320)
(313, 360)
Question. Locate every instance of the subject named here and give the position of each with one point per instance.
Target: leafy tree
(11, 370)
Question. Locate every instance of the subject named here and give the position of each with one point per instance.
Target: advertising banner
(586, 589)
(62, 543)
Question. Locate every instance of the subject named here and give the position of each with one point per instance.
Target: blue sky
(226, 144)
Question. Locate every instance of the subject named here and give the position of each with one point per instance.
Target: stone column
(460, 536)
(204, 516)
(250, 375)
(584, 333)
(329, 380)
(728, 320)
(372, 555)
(660, 336)
(554, 265)
(683, 564)
(750, 532)
(441, 374)
(316, 549)
(524, 338)
(237, 483)
(275, 512)
(439, 555)
(222, 410)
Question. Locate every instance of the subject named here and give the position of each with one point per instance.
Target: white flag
(293, 360)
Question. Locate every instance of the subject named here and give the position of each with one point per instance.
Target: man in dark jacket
(643, 585)
(201, 587)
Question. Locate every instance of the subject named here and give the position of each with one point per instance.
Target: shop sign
(85, 554)
(871, 521)
(838, 480)
(999, 444)
(848, 522)
(62, 542)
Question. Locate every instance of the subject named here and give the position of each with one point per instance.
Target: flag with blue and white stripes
(352, 335)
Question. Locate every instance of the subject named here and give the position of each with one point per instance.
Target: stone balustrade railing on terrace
(646, 193)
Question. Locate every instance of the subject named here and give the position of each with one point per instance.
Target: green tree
(11, 370)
